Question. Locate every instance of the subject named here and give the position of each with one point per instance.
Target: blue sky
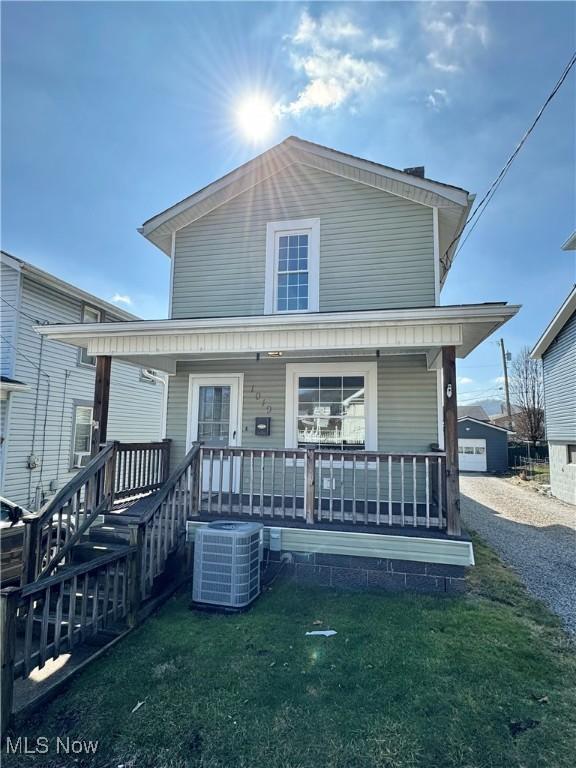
(113, 111)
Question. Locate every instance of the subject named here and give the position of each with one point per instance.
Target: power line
(21, 311)
(483, 204)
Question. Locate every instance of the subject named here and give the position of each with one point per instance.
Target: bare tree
(527, 387)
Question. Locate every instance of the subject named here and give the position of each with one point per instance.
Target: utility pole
(506, 385)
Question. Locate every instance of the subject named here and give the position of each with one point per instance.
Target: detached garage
(482, 447)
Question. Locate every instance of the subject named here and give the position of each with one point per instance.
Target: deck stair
(93, 556)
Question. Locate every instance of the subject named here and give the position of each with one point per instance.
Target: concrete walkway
(534, 534)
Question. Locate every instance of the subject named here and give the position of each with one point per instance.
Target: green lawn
(408, 681)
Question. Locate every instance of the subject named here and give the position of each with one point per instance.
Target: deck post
(9, 598)
(110, 474)
(195, 490)
(30, 549)
(135, 574)
(309, 486)
(450, 407)
(101, 399)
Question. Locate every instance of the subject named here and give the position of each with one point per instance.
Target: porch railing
(41, 621)
(324, 486)
(117, 471)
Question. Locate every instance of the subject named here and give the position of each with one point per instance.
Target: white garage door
(472, 454)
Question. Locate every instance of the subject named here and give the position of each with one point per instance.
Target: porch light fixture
(274, 354)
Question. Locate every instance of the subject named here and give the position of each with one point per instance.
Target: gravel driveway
(534, 534)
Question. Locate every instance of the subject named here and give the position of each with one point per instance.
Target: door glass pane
(214, 415)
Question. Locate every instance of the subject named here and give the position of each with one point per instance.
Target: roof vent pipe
(417, 170)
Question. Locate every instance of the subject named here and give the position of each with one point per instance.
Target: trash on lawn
(540, 699)
(323, 632)
(137, 707)
(317, 623)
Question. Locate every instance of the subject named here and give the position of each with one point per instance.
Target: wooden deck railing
(163, 525)
(140, 467)
(349, 487)
(119, 470)
(43, 620)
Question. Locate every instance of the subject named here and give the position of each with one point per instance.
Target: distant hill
(493, 407)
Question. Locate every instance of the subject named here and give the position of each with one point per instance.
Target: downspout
(163, 380)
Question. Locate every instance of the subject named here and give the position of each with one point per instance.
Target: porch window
(292, 255)
(81, 435)
(89, 315)
(331, 412)
(332, 406)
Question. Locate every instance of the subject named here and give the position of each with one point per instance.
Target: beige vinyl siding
(10, 287)
(41, 419)
(376, 249)
(407, 411)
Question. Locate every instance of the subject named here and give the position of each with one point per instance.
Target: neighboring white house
(47, 388)
(557, 350)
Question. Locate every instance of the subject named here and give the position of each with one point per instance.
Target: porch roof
(161, 343)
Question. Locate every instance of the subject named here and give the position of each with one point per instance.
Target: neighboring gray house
(47, 388)
(557, 350)
(483, 447)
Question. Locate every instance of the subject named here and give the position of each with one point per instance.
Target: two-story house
(309, 353)
(557, 350)
(47, 388)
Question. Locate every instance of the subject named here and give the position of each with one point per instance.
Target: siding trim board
(377, 545)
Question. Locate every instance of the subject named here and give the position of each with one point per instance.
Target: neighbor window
(89, 315)
(292, 255)
(331, 406)
(571, 449)
(81, 435)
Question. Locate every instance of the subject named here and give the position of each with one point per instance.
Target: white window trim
(368, 370)
(75, 406)
(97, 311)
(272, 229)
(214, 379)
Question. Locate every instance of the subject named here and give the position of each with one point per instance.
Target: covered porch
(277, 441)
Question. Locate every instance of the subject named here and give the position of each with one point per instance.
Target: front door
(214, 420)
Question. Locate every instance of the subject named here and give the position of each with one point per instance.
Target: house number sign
(264, 403)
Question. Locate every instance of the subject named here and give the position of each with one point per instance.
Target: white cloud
(454, 35)
(119, 298)
(444, 66)
(498, 380)
(384, 43)
(464, 380)
(437, 99)
(329, 52)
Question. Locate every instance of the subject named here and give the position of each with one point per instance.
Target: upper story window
(89, 315)
(292, 266)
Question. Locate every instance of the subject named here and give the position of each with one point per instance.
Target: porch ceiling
(160, 343)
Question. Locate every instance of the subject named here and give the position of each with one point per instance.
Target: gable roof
(453, 203)
(485, 424)
(46, 278)
(557, 323)
(472, 411)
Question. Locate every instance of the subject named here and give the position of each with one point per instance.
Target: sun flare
(256, 117)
